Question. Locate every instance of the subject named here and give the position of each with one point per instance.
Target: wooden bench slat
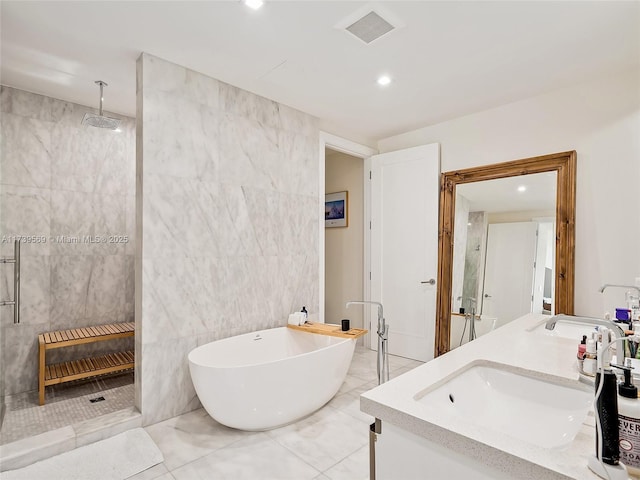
(73, 368)
(110, 329)
(83, 365)
(104, 363)
(109, 361)
(99, 362)
(113, 360)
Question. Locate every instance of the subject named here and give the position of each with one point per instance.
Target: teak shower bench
(85, 367)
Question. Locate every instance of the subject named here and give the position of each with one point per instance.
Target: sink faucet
(383, 336)
(607, 285)
(614, 327)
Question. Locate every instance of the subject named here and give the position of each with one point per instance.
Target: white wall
(344, 246)
(600, 119)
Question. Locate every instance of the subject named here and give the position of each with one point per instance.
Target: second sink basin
(542, 413)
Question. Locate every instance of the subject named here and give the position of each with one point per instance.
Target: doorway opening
(344, 242)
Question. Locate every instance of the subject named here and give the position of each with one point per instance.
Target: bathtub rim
(335, 341)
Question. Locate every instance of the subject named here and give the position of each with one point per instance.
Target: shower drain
(97, 399)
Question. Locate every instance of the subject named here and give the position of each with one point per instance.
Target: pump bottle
(629, 422)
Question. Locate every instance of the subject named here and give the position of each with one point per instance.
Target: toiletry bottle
(629, 422)
(304, 310)
(589, 364)
(582, 347)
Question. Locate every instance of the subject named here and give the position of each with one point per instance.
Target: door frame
(340, 144)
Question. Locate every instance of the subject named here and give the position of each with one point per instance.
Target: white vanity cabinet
(402, 455)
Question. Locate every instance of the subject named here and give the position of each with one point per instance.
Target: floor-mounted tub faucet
(471, 317)
(383, 335)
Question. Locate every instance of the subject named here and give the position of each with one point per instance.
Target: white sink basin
(545, 414)
(566, 329)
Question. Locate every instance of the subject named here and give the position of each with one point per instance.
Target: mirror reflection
(503, 253)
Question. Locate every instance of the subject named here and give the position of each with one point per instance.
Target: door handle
(486, 295)
(431, 281)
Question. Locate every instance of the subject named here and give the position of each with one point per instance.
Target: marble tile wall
(459, 250)
(474, 258)
(61, 180)
(227, 194)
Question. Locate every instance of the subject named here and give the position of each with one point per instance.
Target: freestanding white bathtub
(270, 378)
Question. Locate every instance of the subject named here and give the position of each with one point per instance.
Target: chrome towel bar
(16, 281)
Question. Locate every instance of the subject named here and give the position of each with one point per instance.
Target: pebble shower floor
(66, 404)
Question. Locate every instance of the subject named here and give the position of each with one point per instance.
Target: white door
(404, 247)
(509, 269)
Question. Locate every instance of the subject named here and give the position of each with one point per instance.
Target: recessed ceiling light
(255, 4)
(522, 188)
(384, 80)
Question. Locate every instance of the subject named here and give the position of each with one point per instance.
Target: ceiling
(446, 59)
(502, 194)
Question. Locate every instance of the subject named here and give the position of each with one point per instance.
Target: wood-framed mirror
(564, 165)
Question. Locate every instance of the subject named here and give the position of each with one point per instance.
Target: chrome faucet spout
(607, 285)
(615, 328)
(382, 328)
(367, 302)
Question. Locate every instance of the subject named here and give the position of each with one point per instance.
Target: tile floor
(66, 404)
(332, 443)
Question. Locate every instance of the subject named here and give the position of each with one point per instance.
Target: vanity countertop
(513, 345)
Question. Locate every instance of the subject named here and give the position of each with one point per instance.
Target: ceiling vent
(370, 27)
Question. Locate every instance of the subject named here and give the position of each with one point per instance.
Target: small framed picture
(336, 207)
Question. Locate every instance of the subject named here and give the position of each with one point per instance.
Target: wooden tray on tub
(329, 329)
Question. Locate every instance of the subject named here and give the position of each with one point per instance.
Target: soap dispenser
(629, 422)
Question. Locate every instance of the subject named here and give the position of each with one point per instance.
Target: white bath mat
(115, 458)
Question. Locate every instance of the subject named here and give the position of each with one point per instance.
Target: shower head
(100, 120)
